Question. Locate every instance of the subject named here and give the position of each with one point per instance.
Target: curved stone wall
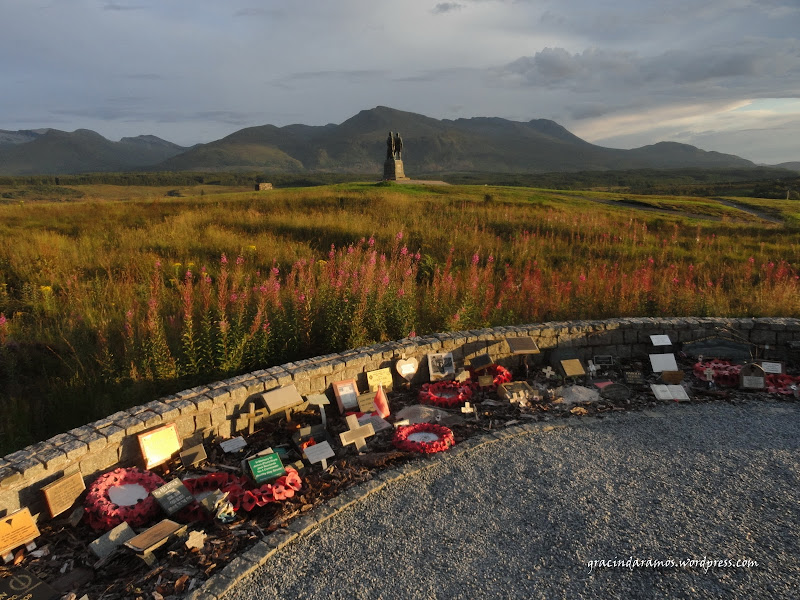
(207, 411)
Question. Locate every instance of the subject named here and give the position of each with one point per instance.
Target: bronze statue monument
(393, 167)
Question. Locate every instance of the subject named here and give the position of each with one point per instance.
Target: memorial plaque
(522, 345)
(441, 365)
(378, 423)
(266, 467)
(485, 381)
(320, 401)
(660, 340)
(604, 360)
(663, 362)
(233, 444)
(573, 367)
(193, 456)
(752, 377)
(776, 368)
(319, 453)
(21, 584)
(480, 362)
(633, 377)
(282, 398)
(678, 393)
(407, 367)
(380, 377)
(661, 391)
(109, 542)
(62, 493)
(672, 377)
(366, 402)
(17, 529)
(156, 536)
(346, 393)
(159, 444)
(173, 496)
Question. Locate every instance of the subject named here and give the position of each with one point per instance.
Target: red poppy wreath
(122, 495)
(425, 438)
(445, 393)
(498, 373)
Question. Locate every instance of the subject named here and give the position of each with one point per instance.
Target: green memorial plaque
(266, 467)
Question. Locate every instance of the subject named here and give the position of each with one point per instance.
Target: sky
(722, 75)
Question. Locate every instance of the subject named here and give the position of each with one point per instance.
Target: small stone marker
(522, 345)
(265, 467)
(660, 340)
(573, 367)
(283, 398)
(548, 372)
(709, 373)
(516, 391)
(775, 368)
(633, 377)
(407, 368)
(233, 444)
(380, 377)
(604, 360)
(752, 377)
(320, 453)
(24, 585)
(663, 362)
(592, 369)
(440, 365)
(62, 493)
(481, 362)
(356, 435)
(191, 457)
(17, 529)
(159, 444)
(346, 393)
(173, 496)
(320, 401)
(108, 543)
(251, 415)
(155, 537)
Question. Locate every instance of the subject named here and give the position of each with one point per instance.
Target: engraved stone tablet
(233, 444)
(604, 360)
(660, 340)
(407, 367)
(282, 398)
(480, 362)
(62, 493)
(380, 377)
(159, 444)
(633, 377)
(573, 367)
(615, 392)
(17, 529)
(752, 377)
(522, 345)
(173, 496)
(21, 584)
(154, 537)
(193, 456)
(775, 368)
(109, 542)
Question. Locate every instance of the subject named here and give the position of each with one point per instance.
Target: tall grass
(106, 303)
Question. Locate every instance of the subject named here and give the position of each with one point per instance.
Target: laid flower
(499, 373)
(445, 393)
(404, 438)
(102, 514)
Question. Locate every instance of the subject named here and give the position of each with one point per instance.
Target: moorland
(112, 295)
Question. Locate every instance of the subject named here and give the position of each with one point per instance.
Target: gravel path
(521, 518)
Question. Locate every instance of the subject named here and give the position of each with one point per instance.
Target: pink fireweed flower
(582, 277)
(650, 260)
(3, 320)
(332, 252)
(675, 280)
(371, 241)
(240, 260)
(404, 251)
(475, 259)
(301, 298)
(350, 249)
(417, 256)
(158, 264)
(385, 280)
(234, 297)
(751, 260)
(401, 292)
(223, 259)
(399, 235)
(275, 271)
(490, 259)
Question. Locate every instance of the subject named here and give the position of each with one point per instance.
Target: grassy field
(114, 295)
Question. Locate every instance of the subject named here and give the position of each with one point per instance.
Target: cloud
(121, 7)
(446, 7)
(260, 12)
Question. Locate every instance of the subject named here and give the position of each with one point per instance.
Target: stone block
(218, 416)
(95, 462)
(763, 336)
(113, 433)
(52, 458)
(202, 421)
(219, 396)
(202, 403)
(30, 468)
(186, 426)
(9, 476)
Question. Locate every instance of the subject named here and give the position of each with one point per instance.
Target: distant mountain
(479, 144)
(52, 151)
(792, 166)
(358, 145)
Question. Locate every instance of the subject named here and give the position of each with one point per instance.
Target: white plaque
(660, 340)
(752, 382)
(663, 362)
(233, 444)
(775, 368)
(678, 392)
(661, 391)
(319, 452)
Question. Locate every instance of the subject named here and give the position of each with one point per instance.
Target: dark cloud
(446, 7)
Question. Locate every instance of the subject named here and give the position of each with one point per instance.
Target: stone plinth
(393, 170)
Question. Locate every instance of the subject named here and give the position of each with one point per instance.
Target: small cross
(467, 408)
(549, 373)
(709, 374)
(592, 369)
(251, 417)
(356, 435)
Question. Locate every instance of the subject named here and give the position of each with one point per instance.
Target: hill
(56, 152)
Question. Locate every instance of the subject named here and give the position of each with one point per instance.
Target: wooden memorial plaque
(191, 457)
(62, 493)
(407, 368)
(282, 398)
(233, 444)
(441, 365)
(485, 381)
(522, 345)
(266, 467)
(480, 362)
(159, 444)
(573, 367)
(663, 362)
(173, 496)
(366, 402)
(346, 393)
(776, 368)
(752, 377)
(156, 536)
(24, 585)
(380, 377)
(17, 529)
(672, 377)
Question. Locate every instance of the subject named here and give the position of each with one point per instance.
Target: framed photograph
(441, 365)
(346, 392)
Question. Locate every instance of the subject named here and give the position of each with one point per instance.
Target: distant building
(263, 186)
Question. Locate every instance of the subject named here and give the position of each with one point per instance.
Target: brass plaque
(159, 444)
(573, 367)
(62, 493)
(17, 529)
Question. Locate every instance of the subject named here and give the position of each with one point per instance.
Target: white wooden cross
(709, 375)
(592, 369)
(467, 408)
(356, 435)
(549, 373)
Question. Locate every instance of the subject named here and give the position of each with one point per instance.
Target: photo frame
(441, 365)
(346, 392)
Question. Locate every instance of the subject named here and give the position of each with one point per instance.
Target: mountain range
(358, 145)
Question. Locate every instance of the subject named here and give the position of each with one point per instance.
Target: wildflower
(275, 271)
(417, 256)
(490, 259)
(385, 280)
(158, 264)
(3, 320)
(240, 260)
(404, 251)
(475, 259)
(582, 277)
(751, 260)
(675, 280)
(45, 289)
(301, 298)
(224, 259)
(234, 297)
(399, 235)
(371, 241)
(650, 260)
